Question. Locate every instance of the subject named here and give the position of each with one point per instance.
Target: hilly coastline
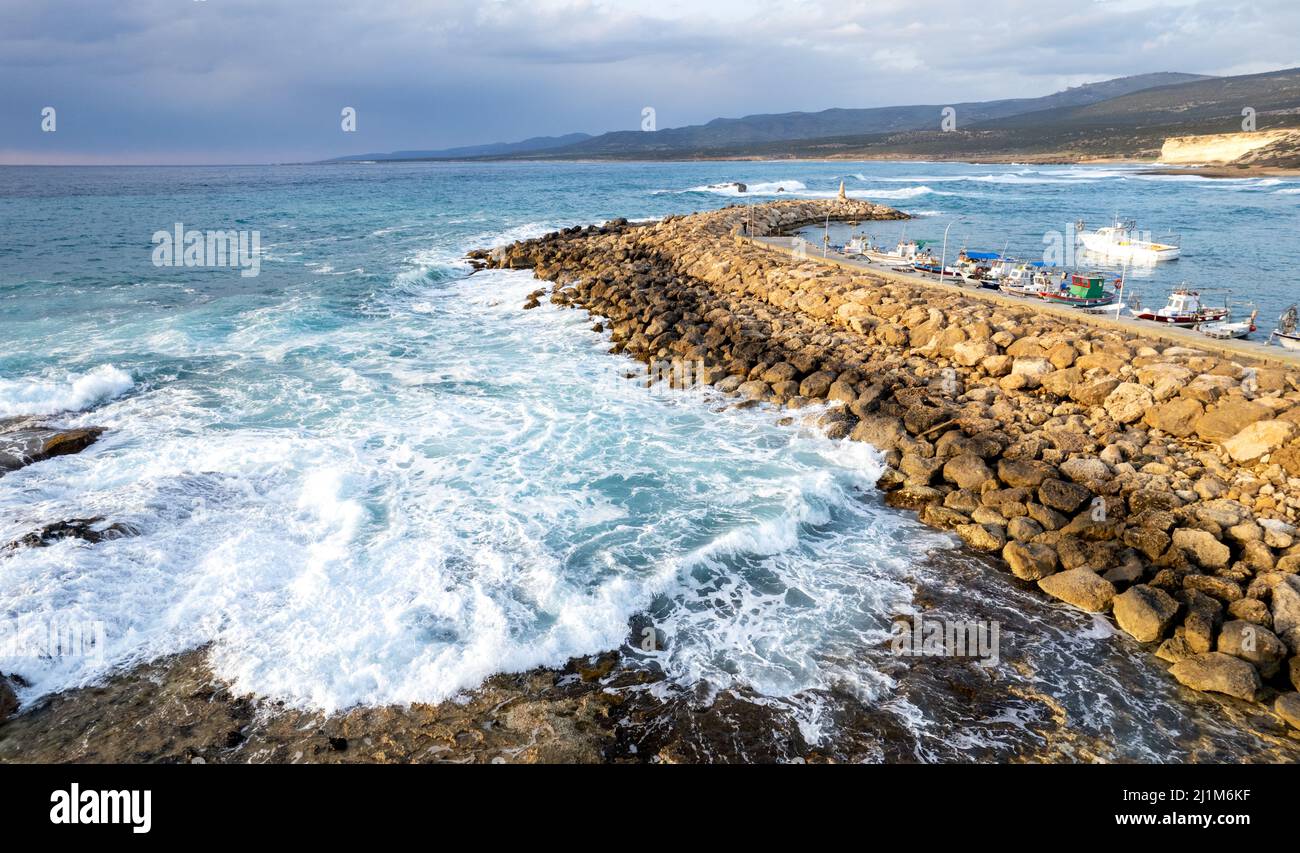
(1127, 118)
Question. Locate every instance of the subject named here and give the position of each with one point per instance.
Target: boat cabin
(1087, 285)
(1183, 303)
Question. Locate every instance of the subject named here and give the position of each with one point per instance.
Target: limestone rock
(1024, 472)
(1083, 588)
(1063, 496)
(1287, 707)
(968, 471)
(1252, 643)
(1128, 403)
(1176, 417)
(982, 537)
(1029, 560)
(1229, 418)
(1202, 547)
(1145, 612)
(1218, 673)
(1259, 439)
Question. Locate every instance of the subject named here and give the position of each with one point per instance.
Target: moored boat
(1122, 241)
(1184, 308)
(903, 254)
(1082, 290)
(1026, 280)
(983, 269)
(1287, 333)
(1228, 328)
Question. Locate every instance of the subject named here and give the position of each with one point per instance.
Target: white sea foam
(396, 529)
(71, 392)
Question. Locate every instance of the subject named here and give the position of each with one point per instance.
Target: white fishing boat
(1184, 308)
(1228, 328)
(983, 269)
(1287, 332)
(903, 254)
(1027, 280)
(1123, 242)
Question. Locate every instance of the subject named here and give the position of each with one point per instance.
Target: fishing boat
(902, 255)
(1083, 290)
(1228, 328)
(1184, 308)
(928, 264)
(1287, 333)
(1123, 242)
(1027, 280)
(983, 269)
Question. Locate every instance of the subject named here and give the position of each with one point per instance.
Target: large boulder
(1253, 643)
(983, 537)
(1287, 707)
(816, 385)
(1057, 382)
(1229, 418)
(968, 471)
(1165, 379)
(1128, 403)
(971, 353)
(1145, 612)
(1030, 561)
(1176, 417)
(1063, 496)
(1093, 392)
(1026, 473)
(1204, 615)
(880, 431)
(1218, 673)
(1286, 611)
(1083, 588)
(1259, 439)
(1202, 547)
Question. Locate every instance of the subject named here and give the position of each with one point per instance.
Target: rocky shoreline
(1156, 483)
(1125, 476)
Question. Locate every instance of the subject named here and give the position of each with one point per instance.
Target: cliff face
(1261, 148)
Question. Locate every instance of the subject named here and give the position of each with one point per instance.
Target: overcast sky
(241, 81)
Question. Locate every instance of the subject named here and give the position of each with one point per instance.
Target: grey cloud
(224, 80)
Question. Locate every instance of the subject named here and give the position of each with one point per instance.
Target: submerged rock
(90, 530)
(24, 441)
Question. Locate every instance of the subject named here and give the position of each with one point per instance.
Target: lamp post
(943, 258)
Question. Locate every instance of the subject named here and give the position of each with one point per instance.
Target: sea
(364, 476)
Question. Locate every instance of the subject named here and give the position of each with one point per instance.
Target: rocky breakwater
(1120, 474)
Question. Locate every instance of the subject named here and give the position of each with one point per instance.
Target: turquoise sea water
(365, 476)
